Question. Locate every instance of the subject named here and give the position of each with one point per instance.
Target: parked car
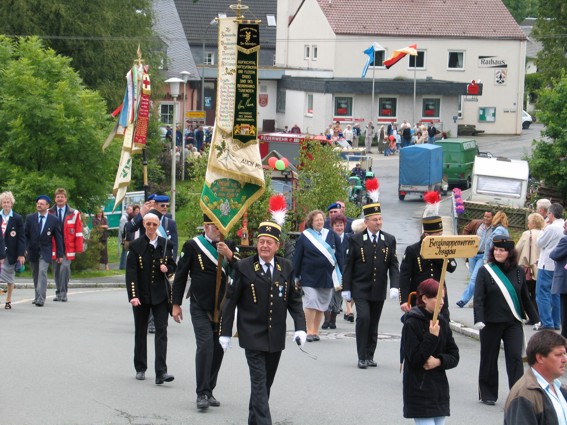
(526, 120)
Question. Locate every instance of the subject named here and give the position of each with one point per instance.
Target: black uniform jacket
(415, 269)
(366, 270)
(426, 392)
(262, 306)
(203, 276)
(490, 306)
(144, 279)
(14, 238)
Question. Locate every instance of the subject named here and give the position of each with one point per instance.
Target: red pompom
(372, 184)
(432, 197)
(277, 203)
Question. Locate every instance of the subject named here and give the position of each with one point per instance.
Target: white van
(500, 181)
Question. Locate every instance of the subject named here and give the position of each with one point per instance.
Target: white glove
(394, 293)
(224, 342)
(479, 325)
(302, 337)
(346, 295)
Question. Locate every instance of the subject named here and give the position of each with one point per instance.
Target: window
(280, 99)
(314, 52)
(343, 107)
(379, 56)
(417, 61)
(166, 113)
(387, 106)
(309, 106)
(306, 51)
(271, 19)
(209, 58)
(456, 60)
(430, 108)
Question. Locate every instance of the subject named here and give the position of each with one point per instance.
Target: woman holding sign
(501, 301)
(429, 350)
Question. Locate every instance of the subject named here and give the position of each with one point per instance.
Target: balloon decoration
(278, 164)
(392, 138)
(458, 201)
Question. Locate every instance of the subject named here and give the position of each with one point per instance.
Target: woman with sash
(501, 301)
(318, 264)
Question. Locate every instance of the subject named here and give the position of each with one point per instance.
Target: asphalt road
(71, 363)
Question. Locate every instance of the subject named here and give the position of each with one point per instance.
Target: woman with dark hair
(501, 301)
(429, 350)
(318, 264)
(100, 222)
(338, 224)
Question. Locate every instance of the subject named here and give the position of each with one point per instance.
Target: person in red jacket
(72, 229)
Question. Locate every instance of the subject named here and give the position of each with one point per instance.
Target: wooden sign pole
(440, 290)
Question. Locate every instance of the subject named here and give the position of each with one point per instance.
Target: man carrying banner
(199, 258)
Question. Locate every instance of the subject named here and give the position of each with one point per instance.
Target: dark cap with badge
(272, 230)
(501, 241)
(44, 198)
(372, 209)
(334, 206)
(433, 224)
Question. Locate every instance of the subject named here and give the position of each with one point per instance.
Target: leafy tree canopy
(551, 30)
(100, 36)
(51, 128)
(521, 9)
(549, 157)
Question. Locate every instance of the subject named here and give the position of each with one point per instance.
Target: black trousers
(367, 318)
(141, 315)
(263, 367)
(512, 335)
(209, 354)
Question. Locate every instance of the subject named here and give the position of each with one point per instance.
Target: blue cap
(151, 197)
(45, 198)
(334, 206)
(161, 198)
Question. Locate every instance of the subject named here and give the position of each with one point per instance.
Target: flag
(399, 54)
(234, 177)
(374, 47)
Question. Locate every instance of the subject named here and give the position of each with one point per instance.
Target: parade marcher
(14, 240)
(429, 350)
(371, 258)
(263, 290)
(42, 231)
(501, 301)
(149, 264)
(414, 269)
(539, 397)
(199, 258)
(334, 209)
(167, 223)
(72, 228)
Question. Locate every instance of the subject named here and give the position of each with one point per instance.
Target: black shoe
(489, 402)
(34, 301)
(332, 325)
(63, 300)
(362, 364)
(56, 299)
(325, 325)
(164, 378)
(39, 304)
(316, 338)
(461, 303)
(213, 401)
(203, 402)
(351, 318)
(140, 376)
(309, 338)
(371, 363)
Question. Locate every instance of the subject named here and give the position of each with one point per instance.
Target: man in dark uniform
(168, 224)
(148, 264)
(200, 258)
(415, 269)
(371, 258)
(264, 291)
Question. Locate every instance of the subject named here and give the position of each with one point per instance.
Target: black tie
(268, 272)
(374, 239)
(61, 215)
(40, 223)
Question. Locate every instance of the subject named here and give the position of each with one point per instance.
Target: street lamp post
(185, 76)
(174, 91)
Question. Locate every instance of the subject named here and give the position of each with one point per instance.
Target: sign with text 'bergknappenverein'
(449, 247)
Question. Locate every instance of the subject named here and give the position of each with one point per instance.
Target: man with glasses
(335, 209)
(167, 223)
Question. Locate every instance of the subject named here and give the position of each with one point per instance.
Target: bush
(90, 258)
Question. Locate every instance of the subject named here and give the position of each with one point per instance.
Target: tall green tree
(100, 36)
(51, 128)
(549, 156)
(551, 30)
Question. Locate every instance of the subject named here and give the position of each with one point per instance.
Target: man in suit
(334, 209)
(264, 291)
(415, 269)
(14, 240)
(168, 224)
(44, 239)
(371, 258)
(148, 264)
(72, 229)
(200, 258)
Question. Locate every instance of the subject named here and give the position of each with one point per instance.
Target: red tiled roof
(422, 18)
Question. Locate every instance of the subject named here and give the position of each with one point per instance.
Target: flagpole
(414, 84)
(372, 105)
